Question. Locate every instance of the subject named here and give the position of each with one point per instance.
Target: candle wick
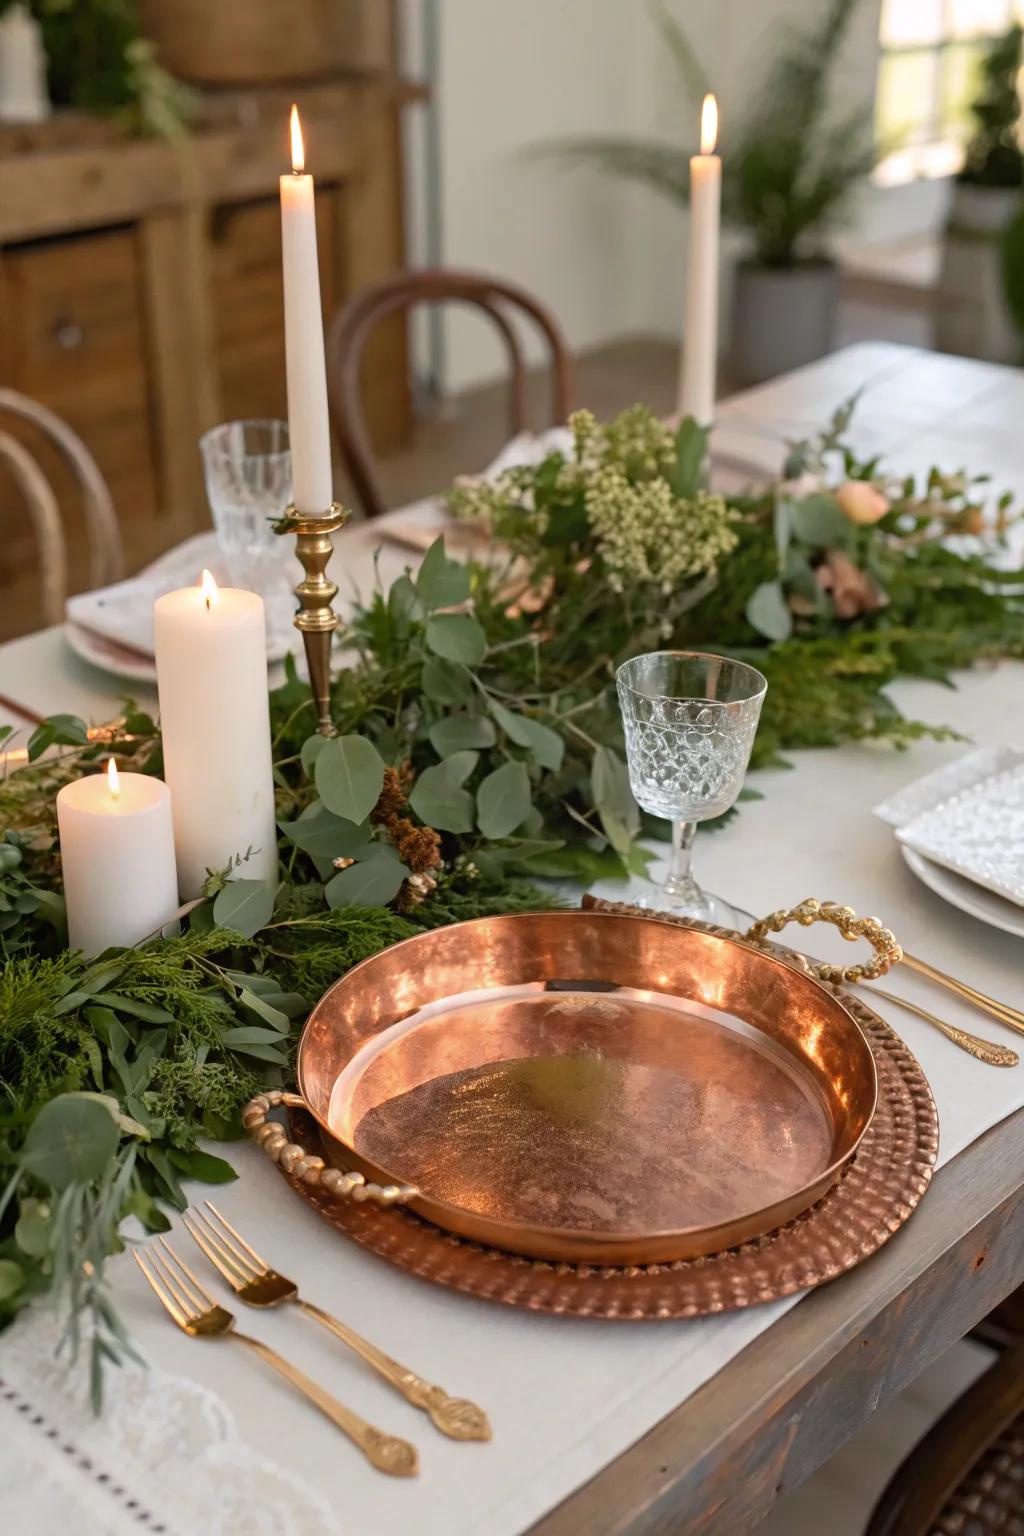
(207, 605)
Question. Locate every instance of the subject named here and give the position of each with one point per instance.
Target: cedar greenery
(479, 749)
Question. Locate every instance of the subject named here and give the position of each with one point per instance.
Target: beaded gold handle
(887, 952)
(300, 1164)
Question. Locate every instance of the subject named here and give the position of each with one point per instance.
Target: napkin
(978, 833)
(123, 614)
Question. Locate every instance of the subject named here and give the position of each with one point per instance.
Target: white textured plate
(965, 895)
(978, 833)
(109, 656)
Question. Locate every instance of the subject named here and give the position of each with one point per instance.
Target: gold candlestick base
(316, 619)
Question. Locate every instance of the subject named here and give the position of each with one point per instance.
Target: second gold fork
(254, 1281)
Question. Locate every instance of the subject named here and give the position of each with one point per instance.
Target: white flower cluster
(646, 535)
(487, 501)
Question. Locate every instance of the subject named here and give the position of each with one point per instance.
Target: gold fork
(198, 1315)
(253, 1281)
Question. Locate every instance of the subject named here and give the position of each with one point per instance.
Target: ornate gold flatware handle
(386, 1452)
(1011, 1017)
(300, 1164)
(887, 952)
(983, 1050)
(456, 1417)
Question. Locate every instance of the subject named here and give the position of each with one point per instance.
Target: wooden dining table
(581, 1444)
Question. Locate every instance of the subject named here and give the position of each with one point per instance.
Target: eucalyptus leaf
(311, 749)
(57, 730)
(198, 1164)
(323, 835)
(34, 1228)
(71, 1141)
(461, 733)
(768, 612)
(543, 744)
(457, 637)
(264, 1010)
(503, 800)
(818, 520)
(441, 582)
(404, 604)
(371, 884)
(691, 450)
(349, 777)
(609, 785)
(245, 906)
(438, 797)
(12, 1277)
(446, 682)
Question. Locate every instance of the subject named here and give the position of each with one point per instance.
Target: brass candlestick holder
(316, 619)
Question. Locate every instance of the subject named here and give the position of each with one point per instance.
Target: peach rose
(861, 502)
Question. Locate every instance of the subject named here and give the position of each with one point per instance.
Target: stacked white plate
(961, 831)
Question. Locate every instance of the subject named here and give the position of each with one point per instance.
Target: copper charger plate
(589, 1086)
(879, 1185)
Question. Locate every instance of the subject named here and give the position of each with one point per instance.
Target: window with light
(929, 72)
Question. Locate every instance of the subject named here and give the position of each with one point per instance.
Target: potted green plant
(790, 168)
(971, 315)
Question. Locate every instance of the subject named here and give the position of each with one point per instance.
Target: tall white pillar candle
(309, 429)
(211, 663)
(700, 340)
(117, 853)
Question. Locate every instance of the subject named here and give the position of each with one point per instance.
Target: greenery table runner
(479, 750)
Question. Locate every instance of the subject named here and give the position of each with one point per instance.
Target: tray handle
(887, 952)
(300, 1164)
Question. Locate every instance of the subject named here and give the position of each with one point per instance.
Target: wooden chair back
(354, 323)
(967, 1474)
(106, 555)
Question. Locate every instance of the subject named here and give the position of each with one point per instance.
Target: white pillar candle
(117, 852)
(211, 663)
(700, 340)
(309, 428)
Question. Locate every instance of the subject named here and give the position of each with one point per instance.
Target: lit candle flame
(708, 126)
(298, 150)
(208, 587)
(113, 780)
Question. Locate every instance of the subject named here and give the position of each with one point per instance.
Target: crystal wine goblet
(690, 721)
(249, 483)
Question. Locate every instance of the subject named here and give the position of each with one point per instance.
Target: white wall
(606, 256)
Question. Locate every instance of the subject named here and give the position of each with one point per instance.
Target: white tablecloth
(565, 1396)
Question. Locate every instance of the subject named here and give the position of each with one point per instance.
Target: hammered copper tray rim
(555, 1243)
(881, 1187)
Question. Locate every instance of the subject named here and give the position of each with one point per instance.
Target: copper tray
(589, 1086)
(877, 1193)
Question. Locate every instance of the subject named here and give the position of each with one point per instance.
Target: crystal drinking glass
(690, 721)
(249, 483)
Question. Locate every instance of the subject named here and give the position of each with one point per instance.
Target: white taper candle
(309, 428)
(700, 340)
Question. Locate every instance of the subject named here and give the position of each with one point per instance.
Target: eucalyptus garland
(479, 750)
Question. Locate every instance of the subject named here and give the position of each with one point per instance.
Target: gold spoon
(981, 1050)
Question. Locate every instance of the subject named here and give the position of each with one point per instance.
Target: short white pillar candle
(211, 663)
(117, 851)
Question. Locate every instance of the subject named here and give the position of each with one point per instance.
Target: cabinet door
(248, 301)
(72, 339)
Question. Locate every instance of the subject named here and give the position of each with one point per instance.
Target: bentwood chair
(101, 525)
(966, 1477)
(353, 324)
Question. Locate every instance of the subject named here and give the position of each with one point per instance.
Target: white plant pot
(971, 315)
(783, 317)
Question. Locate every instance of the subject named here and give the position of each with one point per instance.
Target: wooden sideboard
(140, 293)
